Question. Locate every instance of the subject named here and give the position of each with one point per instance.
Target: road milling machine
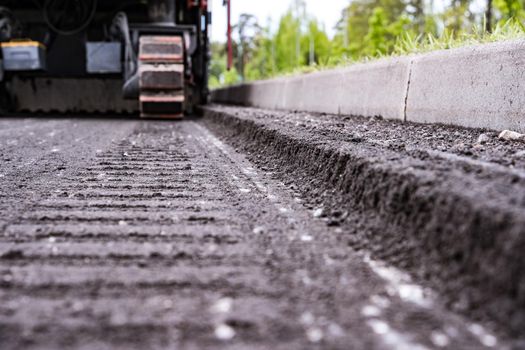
(104, 56)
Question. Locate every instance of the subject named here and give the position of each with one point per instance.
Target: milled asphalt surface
(446, 204)
(127, 234)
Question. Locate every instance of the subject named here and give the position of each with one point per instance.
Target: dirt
(426, 198)
(121, 234)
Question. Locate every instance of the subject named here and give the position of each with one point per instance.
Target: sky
(263, 9)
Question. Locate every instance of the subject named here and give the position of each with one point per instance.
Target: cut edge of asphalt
(489, 296)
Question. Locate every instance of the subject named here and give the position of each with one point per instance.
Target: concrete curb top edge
(479, 86)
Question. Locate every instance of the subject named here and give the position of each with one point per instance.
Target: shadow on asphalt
(94, 116)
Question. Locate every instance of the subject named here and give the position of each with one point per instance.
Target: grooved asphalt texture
(118, 234)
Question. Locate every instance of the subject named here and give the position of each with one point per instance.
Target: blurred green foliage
(367, 29)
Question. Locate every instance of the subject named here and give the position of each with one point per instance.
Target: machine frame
(25, 22)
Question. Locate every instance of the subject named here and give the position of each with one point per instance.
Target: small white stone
(511, 135)
(307, 318)
(489, 340)
(484, 337)
(224, 332)
(378, 326)
(370, 311)
(314, 334)
(439, 339)
(318, 213)
(306, 280)
(306, 238)
(222, 306)
(483, 138)
(122, 223)
(258, 230)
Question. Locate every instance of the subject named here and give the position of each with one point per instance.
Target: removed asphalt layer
(446, 204)
(119, 234)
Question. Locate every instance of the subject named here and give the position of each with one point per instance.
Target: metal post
(312, 49)
(345, 27)
(230, 48)
(488, 17)
(298, 34)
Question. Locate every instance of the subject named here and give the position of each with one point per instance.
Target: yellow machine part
(23, 43)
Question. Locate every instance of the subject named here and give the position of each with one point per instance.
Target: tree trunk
(488, 16)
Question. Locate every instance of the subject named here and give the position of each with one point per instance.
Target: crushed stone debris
(511, 135)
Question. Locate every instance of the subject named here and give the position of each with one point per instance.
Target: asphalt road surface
(126, 234)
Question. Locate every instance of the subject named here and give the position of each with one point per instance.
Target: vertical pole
(297, 9)
(312, 49)
(274, 65)
(488, 17)
(298, 47)
(345, 27)
(230, 48)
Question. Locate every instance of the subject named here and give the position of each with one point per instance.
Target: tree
(262, 61)
(367, 28)
(316, 43)
(376, 38)
(382, 34)
(458, 16)
(354, 26)
(247, 29)
(286, 38)
(509, 9)
(217, 64)
(416, 10)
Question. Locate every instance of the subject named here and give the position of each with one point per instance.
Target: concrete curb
(478, 86)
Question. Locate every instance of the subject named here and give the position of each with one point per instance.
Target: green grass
(411, 44)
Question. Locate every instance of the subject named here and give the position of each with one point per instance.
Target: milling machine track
(161, 69)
